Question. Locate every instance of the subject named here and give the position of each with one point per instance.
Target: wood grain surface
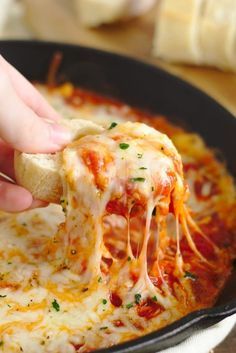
(57, 21)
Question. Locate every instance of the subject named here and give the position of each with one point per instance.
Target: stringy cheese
(65, 283)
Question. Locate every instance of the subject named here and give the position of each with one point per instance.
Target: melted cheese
(122, 270)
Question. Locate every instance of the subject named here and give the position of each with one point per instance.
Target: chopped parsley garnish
(129, 306)
(190, 275)
(154, 298)
(1, 343)
(63, 203)
(137, 298)
(100, 280)
(129, 258)
(124, 146)
(2, 296)
(134, 180)
(103, 328)
(55, 305)
(114, 124)
(89, 328)
(142, 168)
(104, 301)
(139, 155)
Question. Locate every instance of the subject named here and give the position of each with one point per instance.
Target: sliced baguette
(197, 32)
(39, 173)
(176, 31)
(217, 33)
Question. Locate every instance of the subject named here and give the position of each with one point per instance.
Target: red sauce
(198, 188)
(77, 346)
(117, 207)
(118, 323)
(115, 299)
(149, 309)
(96, 164)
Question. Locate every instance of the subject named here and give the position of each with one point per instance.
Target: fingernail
(60, 135)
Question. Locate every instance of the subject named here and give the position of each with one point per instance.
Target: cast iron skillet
(155, 90)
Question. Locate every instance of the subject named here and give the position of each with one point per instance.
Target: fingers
(14, 198)
(28, 93)
(22, 128)
(6, 159)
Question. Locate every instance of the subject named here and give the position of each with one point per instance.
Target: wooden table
(133, 38)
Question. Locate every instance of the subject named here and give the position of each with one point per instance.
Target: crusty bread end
(39, 173)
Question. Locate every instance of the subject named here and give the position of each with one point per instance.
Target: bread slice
(93, 13)
(5, 9)
(217, 33)
(39, 173)
(176, 31)
(197, 32)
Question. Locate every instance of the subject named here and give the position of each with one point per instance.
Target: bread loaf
(197, 32)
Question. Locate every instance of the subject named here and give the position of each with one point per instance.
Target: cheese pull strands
(105, 177)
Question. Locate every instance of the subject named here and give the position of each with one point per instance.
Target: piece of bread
(93, 13)
(39, 173)
(176, 31)
(217, 33)
(197, 32)
(5, 8)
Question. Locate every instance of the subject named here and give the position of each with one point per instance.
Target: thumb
(22, 128)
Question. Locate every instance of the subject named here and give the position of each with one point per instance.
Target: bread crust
(40, 173)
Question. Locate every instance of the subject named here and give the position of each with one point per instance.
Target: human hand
(28, 124)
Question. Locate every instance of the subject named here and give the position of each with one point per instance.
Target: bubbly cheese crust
(94, 288)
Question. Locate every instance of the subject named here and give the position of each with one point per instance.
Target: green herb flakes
(63, 203)
(190, 275)
(129, 306)
(154, 298)
(114, 124)
(140, 180)
(55, 305)
(124, 146)
(104, 301)
(137, 298)
(143, 168)
(139, 155)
